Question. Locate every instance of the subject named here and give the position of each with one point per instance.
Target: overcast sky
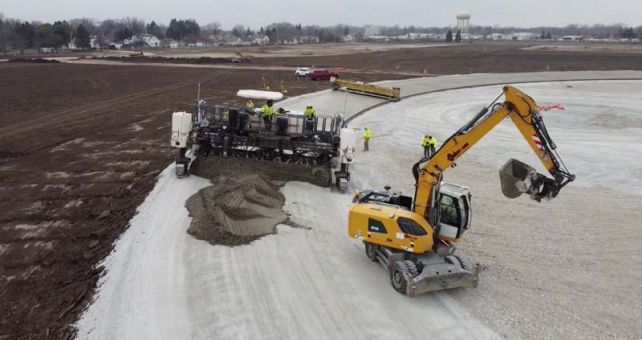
(255, 13)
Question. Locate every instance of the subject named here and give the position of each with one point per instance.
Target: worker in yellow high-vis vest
(367, 135)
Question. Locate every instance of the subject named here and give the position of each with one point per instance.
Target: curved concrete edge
(355, 105)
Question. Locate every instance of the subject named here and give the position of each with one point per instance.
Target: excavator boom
(516, 177)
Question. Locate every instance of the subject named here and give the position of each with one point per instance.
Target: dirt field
(424, 58)
(80, 147)
(474, 58)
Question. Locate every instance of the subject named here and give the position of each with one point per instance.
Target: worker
(429, 144)
(367, 135)
(267, 112)
(310, 112)
(249, 106)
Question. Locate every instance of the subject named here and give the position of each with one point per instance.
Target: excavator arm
(516, 177)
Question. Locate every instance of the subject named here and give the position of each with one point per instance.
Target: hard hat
(309, 105)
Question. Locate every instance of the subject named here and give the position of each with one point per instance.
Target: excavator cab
(454, 211)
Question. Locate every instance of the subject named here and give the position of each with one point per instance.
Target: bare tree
(88, 23)
(135, 25)
(213, 28)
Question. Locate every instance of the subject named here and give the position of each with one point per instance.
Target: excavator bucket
(518, 178)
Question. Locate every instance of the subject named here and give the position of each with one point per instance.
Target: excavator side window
(410, 227)
(375, 226)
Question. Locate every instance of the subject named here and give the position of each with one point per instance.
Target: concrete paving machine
(324, 144)
(415, 237)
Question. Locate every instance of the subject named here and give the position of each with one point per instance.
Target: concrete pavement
(351, 105)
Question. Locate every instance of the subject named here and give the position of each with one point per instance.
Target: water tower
(463, 23)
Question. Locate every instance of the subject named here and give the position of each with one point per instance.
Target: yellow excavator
(414, 238)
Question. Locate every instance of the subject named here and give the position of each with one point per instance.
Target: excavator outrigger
(415, 238)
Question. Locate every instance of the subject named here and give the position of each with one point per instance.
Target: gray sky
(255, 13)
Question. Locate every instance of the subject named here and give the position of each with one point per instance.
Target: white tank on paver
(181, 127)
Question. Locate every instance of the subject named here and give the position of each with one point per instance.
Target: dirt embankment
(169, 60)
(245, 202)
(33, 61)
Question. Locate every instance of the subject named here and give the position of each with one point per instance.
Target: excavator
(415, 238)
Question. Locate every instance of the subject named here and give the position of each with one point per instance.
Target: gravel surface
(564, 269)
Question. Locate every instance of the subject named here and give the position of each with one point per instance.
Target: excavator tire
(371, 251)
(397, 278)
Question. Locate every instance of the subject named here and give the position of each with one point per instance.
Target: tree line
(19, 35)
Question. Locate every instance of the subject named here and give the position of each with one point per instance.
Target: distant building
(500, 36)
(94, 42)
(48, 50)
(264, 40)
(146, 39)
(348, 38)
(372, 31)
(169, 43)
(572, 38)
(413, 36)
(524, 36)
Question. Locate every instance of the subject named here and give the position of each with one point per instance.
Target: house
(348, 38)
(264, 40)
(147, 40)
(372, 31)
(169, 43)
(94, 42)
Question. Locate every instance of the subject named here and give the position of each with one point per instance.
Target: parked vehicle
(321, 75)
(302, 71)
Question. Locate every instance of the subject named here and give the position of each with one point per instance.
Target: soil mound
(236, 210)
(245, 202)
(169, 60)
(34, 60)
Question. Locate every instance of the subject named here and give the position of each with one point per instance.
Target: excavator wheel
(397, 277)
(371, 251)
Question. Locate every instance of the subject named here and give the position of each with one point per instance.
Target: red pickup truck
(321, 75)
